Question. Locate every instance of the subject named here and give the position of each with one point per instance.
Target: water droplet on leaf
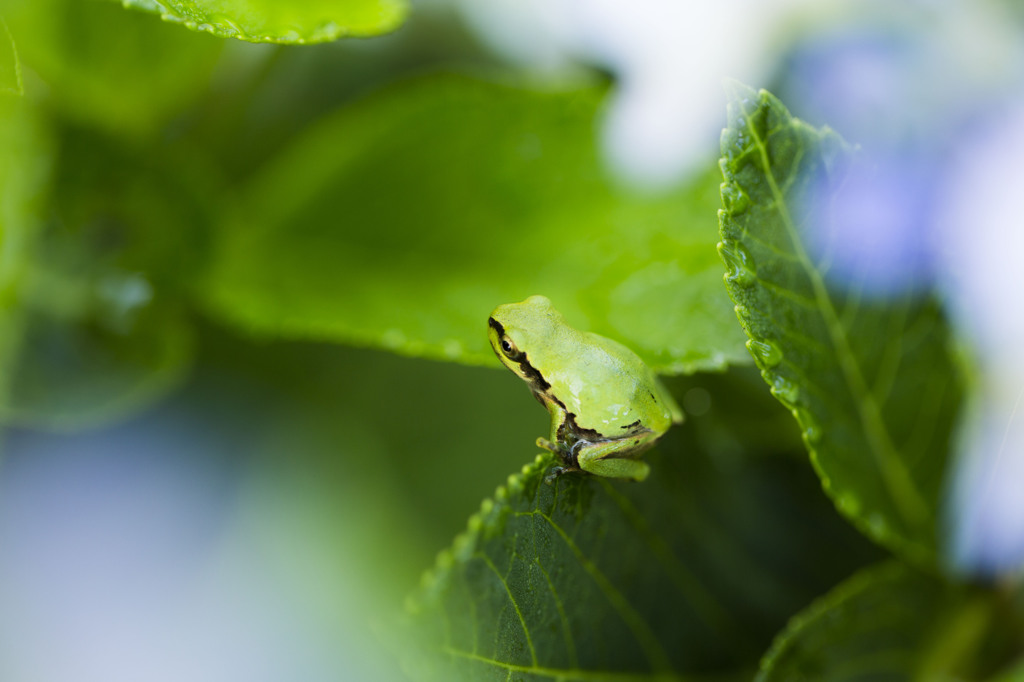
(848, 504)
(739, 261)
(735, 200)
(767, 353)
(785, 390)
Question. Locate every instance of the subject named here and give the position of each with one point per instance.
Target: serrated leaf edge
(491, 512)
(223, 27)
(897, 480)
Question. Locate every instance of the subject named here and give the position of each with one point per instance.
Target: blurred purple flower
(981, 233)
(930, 202)
(877, 237)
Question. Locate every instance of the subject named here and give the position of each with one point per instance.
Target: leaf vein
(656, 654)
(901, 487)
(515, 605)
(582, 675)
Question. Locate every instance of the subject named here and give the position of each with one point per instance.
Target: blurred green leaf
(272, 94)
(10, 65)
(690, 573)
(891, 622)
(103, 66)
(26, 157)
(122, 207)
(870, 382)
(371, 420)
(100, 331)
(403, 220)
(1013, 673)
(272, 21)
(71, 373)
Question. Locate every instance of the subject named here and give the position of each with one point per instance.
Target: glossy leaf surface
(870, 381)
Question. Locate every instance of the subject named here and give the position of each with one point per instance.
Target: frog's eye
(509, 348)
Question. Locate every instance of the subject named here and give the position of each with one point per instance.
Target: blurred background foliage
(243, 294)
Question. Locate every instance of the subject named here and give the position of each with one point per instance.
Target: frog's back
(620, 393)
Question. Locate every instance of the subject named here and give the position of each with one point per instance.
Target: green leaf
(1013, 673)
(870, 382)
(403, 220)
(10, 65)
(94, 327)
(891, 622)
(26, 157)
(78, 372)
(272, 21)
(688, 574)
(103, 66)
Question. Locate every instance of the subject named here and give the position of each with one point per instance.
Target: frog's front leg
(556, 444)
(558, 415)
(618, 458)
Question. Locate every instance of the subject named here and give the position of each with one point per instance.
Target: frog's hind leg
(619, 458)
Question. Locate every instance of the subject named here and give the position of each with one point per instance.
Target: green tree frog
(607, 407)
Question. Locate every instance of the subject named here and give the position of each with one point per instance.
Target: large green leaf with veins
(686, 576)
(871, 382)
(891, 622)
(403, 220)
(273, 21)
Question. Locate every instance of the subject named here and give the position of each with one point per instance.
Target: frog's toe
(545, 444)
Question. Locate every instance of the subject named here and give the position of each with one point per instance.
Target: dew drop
(327, 31)
(811, 429)
(848, 504)
(735, 200)
(767, 353)
(728, 143)
(739, 261)
(393, 338)
(785, 390)
(452, 349)
(876, 524)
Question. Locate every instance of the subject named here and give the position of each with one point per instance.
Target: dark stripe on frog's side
(533, 377)
(631, 426)
(570, 431)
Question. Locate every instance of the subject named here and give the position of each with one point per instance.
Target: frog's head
(517, 329)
